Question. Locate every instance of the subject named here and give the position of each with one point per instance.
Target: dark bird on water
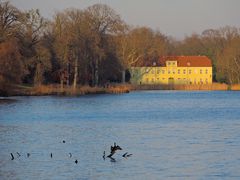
(112, 159)
(51, 155)
(12, 156)
(64, 141)
(28, 154)
(76, 161)
(104, 155)
(114, 149)
(18, 154)
(126, 155)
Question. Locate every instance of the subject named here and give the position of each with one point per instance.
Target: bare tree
(139, 43)
(103, 22)
(9, 20)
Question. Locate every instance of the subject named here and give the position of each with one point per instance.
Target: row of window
(191, 81)
(184, 71)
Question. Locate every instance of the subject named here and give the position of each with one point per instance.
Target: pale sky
(176, 18)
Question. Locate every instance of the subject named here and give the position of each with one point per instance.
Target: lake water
(171, 134)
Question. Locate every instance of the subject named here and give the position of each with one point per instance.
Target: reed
(79, 90)
(186, 87)
(235, 87)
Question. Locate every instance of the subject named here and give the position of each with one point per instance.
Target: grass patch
(187, 87)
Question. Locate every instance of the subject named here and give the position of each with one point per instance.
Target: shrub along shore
(53, 89)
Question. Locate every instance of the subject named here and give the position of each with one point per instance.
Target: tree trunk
(38, 77)
(75, 74)
(123, 76)
(96, 74)
(68, 74)
(61, 81)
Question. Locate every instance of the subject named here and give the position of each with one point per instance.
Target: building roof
(182, 61)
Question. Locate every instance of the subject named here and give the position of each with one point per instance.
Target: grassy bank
(193, 87)
(21, 90)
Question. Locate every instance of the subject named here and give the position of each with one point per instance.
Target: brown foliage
(11, 67)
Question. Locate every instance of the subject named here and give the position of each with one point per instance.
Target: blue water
(171, 134)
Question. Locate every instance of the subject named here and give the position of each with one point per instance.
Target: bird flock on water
(113, 150)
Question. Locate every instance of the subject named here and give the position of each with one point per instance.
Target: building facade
(173, 70)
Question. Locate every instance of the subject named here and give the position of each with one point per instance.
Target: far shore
(191, 87)
(53, 89)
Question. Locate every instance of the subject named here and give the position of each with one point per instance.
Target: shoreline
(192, 87)
(53, 89)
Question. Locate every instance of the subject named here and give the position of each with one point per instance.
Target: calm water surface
(171, 134)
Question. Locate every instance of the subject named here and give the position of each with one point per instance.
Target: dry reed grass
(80, 90)
(192, 87)
(235, 87)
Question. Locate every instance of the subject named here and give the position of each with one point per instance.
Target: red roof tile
(182, 61)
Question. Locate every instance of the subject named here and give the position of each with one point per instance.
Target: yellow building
(173, 70)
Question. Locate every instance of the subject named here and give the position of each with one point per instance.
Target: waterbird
(104, 155)
(28, 154)
(64, 141)
(76, 161)
(12, 156)
(70, 155)
(114, 149)
(51, 155)
(112, 159)
(126, 155)
(18, 154)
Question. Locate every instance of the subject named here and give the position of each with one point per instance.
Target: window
(179, 71)
(153, 71)
(163, 71)
(169, 63)
(173, 63)
(173, 71)
(189, 71)
(195, 71)
(200, 71)
(190, 81)
(184, 71)
(158, 71)
(169, 72)
(206, 71)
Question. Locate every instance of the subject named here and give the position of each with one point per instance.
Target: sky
(176, 18)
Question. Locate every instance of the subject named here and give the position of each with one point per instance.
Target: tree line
(94, 46)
